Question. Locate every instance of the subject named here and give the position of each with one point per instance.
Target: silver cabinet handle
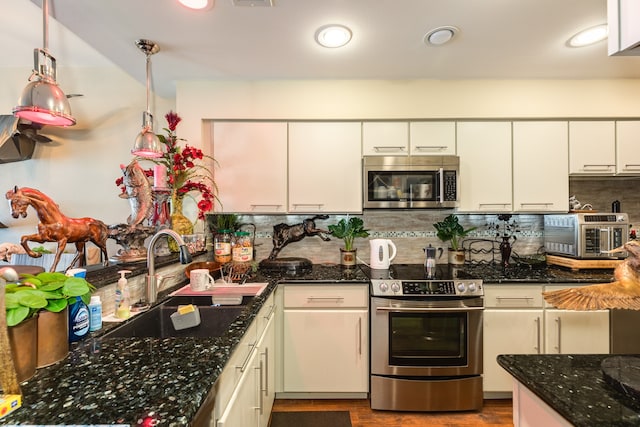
(431, 147)
(538, 336)
(260, 398)
(388, 148)
(297, 206)
(597, 167)
(252, 346)
(274, 207)
(265, 389)
(360, 336)
(559, 326)
(311, 299)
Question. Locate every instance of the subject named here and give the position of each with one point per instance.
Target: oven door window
(403, 185)
(428, 339)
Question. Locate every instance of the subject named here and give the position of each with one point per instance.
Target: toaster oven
(586, 235)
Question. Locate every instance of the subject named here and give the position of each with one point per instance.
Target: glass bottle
(222, 246)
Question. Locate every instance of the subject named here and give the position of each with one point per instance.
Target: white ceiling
(498, 39)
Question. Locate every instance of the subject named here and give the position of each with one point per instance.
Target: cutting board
(583, 264)
(248, 289)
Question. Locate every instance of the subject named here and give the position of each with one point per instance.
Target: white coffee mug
(200, 280)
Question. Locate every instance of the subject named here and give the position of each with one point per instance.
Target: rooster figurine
(623, 292)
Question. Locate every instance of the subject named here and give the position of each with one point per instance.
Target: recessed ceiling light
(589, 36)
(441, 35)
(333, 35)
(197, 4)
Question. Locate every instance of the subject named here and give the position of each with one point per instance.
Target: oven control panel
(425, 288)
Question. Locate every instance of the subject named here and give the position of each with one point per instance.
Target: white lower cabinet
(325, 339)
(517, 321)
(246, 386)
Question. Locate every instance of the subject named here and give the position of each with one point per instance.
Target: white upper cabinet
(385, 138)
(540, 166)
(485, 166)
(628, 147)
(592, 148)
(624, 31)
(432, 138)
(325, 167)
(251, 173)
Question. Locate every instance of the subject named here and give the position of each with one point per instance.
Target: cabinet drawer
(512, 296)
(321, 296)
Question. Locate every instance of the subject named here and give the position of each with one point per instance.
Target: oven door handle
(428, 309)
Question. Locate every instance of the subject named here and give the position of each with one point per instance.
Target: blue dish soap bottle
(78, 320)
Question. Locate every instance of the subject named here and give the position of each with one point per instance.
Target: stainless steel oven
(426, 341)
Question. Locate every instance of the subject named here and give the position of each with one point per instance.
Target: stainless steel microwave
(586, 235)
(401, 182)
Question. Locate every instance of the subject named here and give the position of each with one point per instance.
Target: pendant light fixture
(147, 143)
(42, 100)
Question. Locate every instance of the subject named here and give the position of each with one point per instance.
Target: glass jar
(242, 247)
(222, 246)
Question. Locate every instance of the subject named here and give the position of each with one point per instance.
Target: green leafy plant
(451, 230)
(48, 291)
(222, 221)
(348, 230)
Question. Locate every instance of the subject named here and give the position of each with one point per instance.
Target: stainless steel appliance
(586, 235)
(426, 340)
(410, 181)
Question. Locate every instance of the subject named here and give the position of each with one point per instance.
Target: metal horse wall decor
(56, 227)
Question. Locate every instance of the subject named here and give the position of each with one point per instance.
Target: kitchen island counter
(574, 387)
(122, 380)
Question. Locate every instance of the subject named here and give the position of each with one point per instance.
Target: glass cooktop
(412, 272)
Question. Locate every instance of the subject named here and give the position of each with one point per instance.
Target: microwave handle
(605, 236)
(441, 173)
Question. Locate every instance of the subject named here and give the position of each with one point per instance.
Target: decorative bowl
(212, 266)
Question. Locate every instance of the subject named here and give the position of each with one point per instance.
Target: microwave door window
(422, 186)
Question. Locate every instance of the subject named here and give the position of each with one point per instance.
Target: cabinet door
(325, 167)
(325, 351)
(627, 143)
(251, 174)
(580, 332)
(242, 409)
(267, 370)
(485, 166)
(385, 138)
(432, 138)
(592, 148)
(508, 332)
(540, 166)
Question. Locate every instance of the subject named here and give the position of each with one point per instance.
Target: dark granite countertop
(573, 385)
(494, 273)
(119, 380)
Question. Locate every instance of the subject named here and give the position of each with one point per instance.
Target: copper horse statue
(55, 227)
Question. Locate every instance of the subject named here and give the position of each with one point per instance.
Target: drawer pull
(515, 298)
(311, 299)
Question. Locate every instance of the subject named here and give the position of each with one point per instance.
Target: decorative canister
(222, 246)
(242, 247)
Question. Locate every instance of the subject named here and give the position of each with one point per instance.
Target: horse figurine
(55, 227)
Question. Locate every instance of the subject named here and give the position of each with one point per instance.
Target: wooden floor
(494, 413)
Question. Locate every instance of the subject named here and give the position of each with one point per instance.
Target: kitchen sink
(199, 300)
(156, 323)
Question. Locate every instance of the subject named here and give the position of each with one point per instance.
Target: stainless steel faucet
(152, 278)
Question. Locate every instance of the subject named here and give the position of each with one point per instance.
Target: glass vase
(179, 223)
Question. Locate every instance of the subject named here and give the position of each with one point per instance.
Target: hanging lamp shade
(147, 143)
(42, 100)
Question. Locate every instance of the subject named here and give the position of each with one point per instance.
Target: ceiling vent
(253, 3)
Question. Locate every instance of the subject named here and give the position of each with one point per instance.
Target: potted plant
(46, 296)
(348, 230)
(450, 230)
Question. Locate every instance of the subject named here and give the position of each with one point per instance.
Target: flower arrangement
(183, 174)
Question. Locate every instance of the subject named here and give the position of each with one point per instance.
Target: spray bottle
(123, 305)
